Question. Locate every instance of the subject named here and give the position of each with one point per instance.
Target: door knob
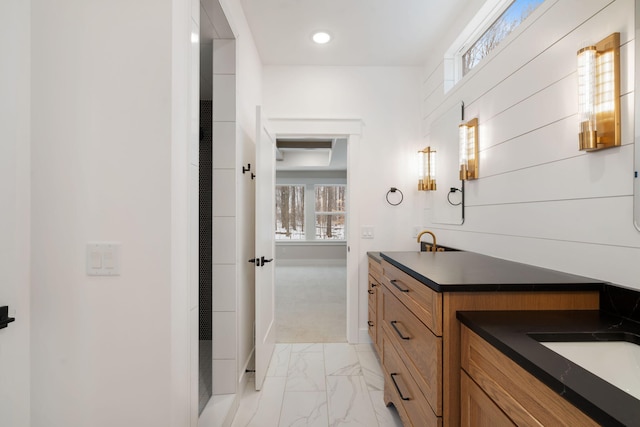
(4, 317)
(264, 261)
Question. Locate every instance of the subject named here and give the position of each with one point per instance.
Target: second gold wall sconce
(469, 150)
(599, 94)
(427, 170)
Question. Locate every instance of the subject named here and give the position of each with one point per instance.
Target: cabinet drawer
(420, 349)
(375, 269)
(424, 302)
(401, 389)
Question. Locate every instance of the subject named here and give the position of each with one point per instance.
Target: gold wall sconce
(469, 150)
(427, 170)
(599, 94)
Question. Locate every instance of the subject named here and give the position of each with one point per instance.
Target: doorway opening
(311, 240)
(348, 132)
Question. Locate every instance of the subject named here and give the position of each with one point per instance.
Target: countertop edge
(594, 285)
(419, 277)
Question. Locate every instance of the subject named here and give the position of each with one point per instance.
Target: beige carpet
(311, 304)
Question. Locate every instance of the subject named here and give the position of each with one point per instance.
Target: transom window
(508, 21)
(495, 20)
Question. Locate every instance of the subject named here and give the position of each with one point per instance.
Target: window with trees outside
(510, 19)
(325, 212)
(330, 212)
(290, 212)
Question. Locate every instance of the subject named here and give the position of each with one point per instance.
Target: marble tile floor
(319, 385)
(205, 386)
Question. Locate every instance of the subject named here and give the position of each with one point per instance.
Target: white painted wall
(322, 253)
(190, 325)
(110, 161)
(15, 212)
(539, 200)
(388, 101)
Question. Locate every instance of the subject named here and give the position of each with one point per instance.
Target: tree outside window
(510, 19)
(290, 212)
(326, 210)
(330, 212)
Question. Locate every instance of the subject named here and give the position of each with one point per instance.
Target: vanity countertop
(512, 333)
(461, 271)
(375, 256)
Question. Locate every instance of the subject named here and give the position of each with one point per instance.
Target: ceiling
(365, 32)
(307, 154)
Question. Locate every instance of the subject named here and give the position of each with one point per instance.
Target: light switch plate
(103, 258)
(367, 232)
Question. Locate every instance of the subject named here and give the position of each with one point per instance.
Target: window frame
(486, 16)
(310, 212)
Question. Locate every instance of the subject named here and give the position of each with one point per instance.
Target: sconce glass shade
(427, 170)
(599, 94)
(469, 150)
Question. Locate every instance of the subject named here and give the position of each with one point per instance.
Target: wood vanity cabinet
(495, 391)
(374, 289)
(419, 341)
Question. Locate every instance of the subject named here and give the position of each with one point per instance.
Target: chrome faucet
(433, 246)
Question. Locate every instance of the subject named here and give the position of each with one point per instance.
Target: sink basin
(617, 362)
(424, 245)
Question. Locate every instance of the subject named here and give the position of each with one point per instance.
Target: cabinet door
(477, 410)
(520, 395)
(374, 315)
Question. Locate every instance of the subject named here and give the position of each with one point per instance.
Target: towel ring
(452, 191)
(393, 190)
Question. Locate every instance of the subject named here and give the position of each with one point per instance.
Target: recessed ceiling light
(321, 37)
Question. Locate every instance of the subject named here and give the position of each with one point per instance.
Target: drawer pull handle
(393, 324)
(393, 282)
(398, 388)
(371, 292)
(373, 285)
(370, 323)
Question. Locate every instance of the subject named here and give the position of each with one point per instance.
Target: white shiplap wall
(539, 199)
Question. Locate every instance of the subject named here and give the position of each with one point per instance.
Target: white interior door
(15, 217)
(265, 247)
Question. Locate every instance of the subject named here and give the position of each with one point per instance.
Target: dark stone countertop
(513, 332)
(461, 271)
(375, 256)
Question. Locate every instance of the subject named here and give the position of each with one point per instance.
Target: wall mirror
(447, 208)
(636, 140)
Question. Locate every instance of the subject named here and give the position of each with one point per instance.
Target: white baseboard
(363, 336)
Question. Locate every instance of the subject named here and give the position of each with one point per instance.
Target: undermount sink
(615, 361)
(426, 247)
